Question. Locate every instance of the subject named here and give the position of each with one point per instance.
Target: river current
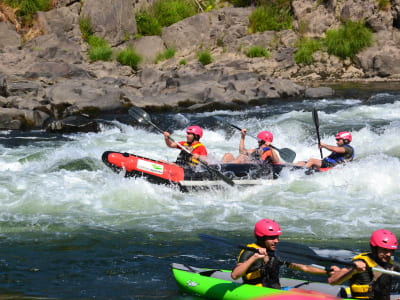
(72, 228)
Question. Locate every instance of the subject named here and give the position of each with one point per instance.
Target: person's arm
(339, 276)
(242, 149)
(168, 142)
(333, 148)
(274, 155)
(242, 267)
(307, 269)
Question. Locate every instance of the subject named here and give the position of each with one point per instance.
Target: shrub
(167, 54)
(27, 8)
(129, 57)
(168, 12)
(147, 24)
(183, 62)
(85, 25)
(384, 5)
(306, 48)
(256, 51)
(204, 57)
(348, 40)
(265, 18)
(99, 49)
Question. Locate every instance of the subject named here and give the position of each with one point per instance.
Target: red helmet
(345, 135)
(265, 136)
(266, 227)
(384, 239)
(195, 130)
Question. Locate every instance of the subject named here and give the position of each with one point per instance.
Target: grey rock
(8, 36)
(112, 20)
(319, 92)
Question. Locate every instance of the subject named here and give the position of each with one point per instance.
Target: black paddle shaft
(140, 115)
(316, 122)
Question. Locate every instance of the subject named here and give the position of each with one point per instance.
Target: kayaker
(262, 268)
(364, 282)
(261, 154)
(192, 143)
(341, 153)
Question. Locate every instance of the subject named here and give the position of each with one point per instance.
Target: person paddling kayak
(192, 143)
(264, 153)
(364, 282)
(262, 268)
(341, 153)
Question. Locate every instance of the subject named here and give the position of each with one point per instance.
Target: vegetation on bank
(257, 51)
(27, 8)
(345, 42)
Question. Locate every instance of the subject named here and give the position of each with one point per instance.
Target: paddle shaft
(316, 122)
(139, 112)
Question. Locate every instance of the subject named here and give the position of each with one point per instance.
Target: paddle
(141, 116)
(316, 122)
(287, 154)
(292, 252)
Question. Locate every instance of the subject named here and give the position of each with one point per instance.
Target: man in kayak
(262, 268)
(261, 154)
(341, 153)
(364, 282)
(192, 143)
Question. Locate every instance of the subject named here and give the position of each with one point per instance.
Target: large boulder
(8, 36)
(111, 20)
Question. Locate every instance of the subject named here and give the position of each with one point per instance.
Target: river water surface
(71, 228)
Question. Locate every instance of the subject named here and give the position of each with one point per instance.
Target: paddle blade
(139, 114)
(287, 154)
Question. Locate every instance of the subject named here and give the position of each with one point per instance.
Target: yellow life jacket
(365, 290)
(253, 277)
(185, 157)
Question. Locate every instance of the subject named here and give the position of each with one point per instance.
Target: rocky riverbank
(47, 81)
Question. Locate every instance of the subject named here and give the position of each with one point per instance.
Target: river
(71, 228)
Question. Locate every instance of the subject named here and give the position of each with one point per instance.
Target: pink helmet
(195, 130)
(345, 135)
(384, 239)
(266, 227)
(265, 136)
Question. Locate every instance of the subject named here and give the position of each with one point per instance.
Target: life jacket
(267, 155)
(338, 158)
(261, 273)
(369, 284)
(186, 158)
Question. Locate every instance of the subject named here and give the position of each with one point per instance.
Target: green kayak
(218, 284)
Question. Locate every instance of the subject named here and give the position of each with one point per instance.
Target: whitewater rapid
(60, 185)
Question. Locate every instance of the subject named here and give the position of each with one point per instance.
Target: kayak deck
(218, 284)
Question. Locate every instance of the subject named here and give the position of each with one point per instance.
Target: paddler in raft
(364, 282)
(341, 153)
(262, 268)
(192, 143)
(264, 153)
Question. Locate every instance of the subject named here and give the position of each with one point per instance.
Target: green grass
(384, 4)
(204, 57)
(99, 49)
(85, 25)
(167, 54)
(168, 12)
(348, 40)
(270, 17)
(256, 51)
(147, 24)
(183, 62)
(305, 50)
(129, 57)
(27, 8)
